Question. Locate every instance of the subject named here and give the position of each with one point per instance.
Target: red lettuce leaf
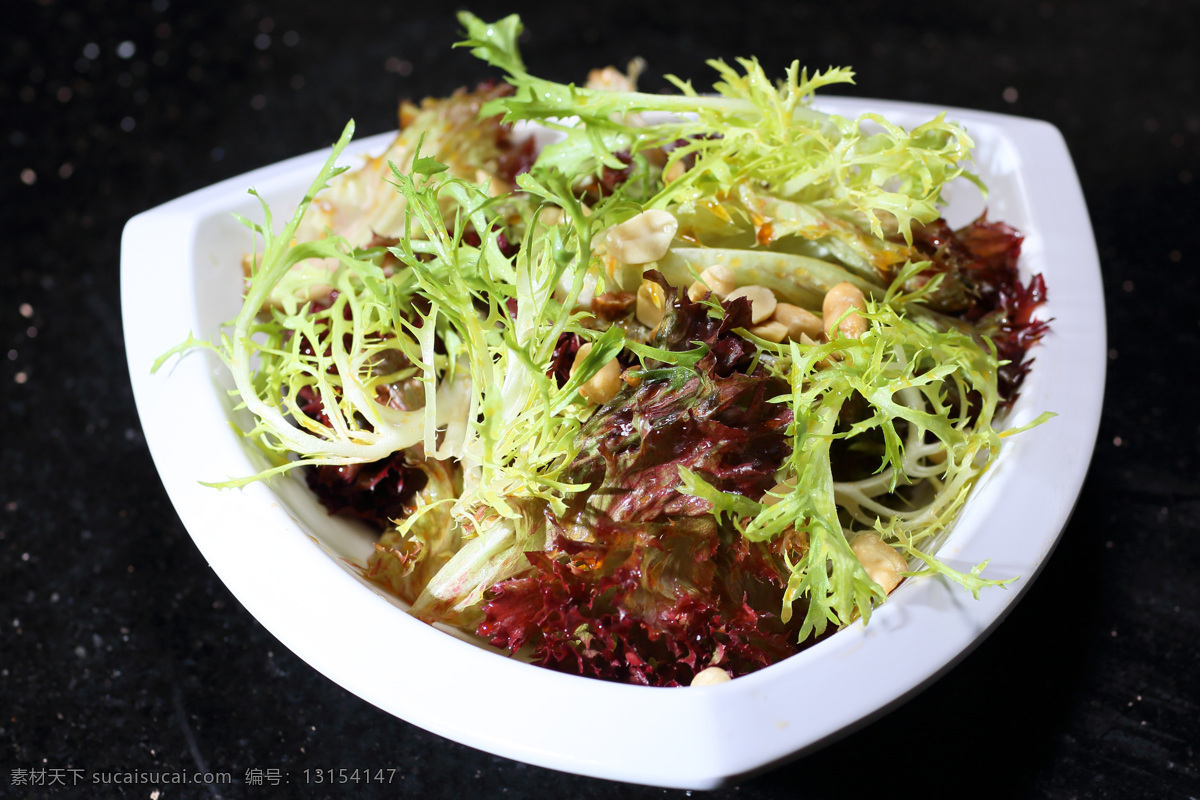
(640, 583)
(377, 492)
(601, 610)
(982, 286)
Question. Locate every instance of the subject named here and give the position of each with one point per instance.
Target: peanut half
(718, 279)
(771, 330)
(651, 304)
(799, 321)
(643, 238)
(711, 676)
(762, 301)
(602, 386)
(880, 560)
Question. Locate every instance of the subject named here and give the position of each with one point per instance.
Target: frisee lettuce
(442, 342)
(766, 135)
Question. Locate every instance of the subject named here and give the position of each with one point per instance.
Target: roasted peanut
(799, 321)
(777, 493)
(550, 215)
(602, 386)
(762, 301)
(643, 238)
(838, 301)
(651, 304)
(880, 560)
(580, 355)
(718, 279)
(496, 185)
(610, 79)
(674, 172)
(711, 676)
(771, 330)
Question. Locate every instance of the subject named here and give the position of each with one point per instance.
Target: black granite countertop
(121, 651)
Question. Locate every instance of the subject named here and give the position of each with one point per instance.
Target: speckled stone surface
(120, 651)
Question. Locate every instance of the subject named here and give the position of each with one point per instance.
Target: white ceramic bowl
(286, 559)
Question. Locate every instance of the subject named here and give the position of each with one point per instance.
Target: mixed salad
(659, 395)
